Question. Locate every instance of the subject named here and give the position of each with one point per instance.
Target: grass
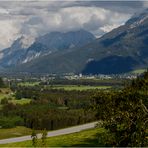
(84, 138)
(21, 101)
(15, 132)
(2, 96)
(28, 83)
(5, 93)
(76, 87)
(1, 106)
(139, 71)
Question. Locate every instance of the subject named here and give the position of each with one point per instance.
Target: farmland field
(139, 71)
(28, 83)
(78, 87)
(21, 101)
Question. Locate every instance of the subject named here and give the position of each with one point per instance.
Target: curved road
(52, 133)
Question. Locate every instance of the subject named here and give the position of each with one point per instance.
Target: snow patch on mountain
(31, 57)
(90, 60)
(28, 48)
(137, 23)
(137, 19)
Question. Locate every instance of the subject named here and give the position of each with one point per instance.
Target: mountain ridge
(128, 42)
(20, 52)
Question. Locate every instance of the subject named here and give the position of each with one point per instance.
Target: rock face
(25, 49)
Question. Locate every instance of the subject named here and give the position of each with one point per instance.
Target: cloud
(73, 18)
(36, 18)
(8, 33)
(145, 4)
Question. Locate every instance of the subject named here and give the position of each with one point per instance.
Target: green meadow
(15, 132)
(85, 138)
(78, 87)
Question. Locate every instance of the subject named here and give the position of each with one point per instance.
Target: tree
(1, 83)
(4, 101)
(34, 138)
(125, 114)
(44, 137)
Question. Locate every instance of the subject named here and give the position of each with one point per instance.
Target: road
(65, 131)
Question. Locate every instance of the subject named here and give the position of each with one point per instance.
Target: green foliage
(10, 121)
(18, 95)
(34, 138)
(2, 85)
(44, 137)
(4, 101)
(46, 108)
(15, 132)
(125, 113)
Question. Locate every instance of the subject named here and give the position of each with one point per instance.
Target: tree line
(47, 108)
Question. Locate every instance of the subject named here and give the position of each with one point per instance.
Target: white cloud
(107, 28)
(66, 19)
(145, 4)
(37, 18)
(3, 11)
(8, 33)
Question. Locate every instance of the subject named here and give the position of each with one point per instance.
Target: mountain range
(122, 50)
(25, 49)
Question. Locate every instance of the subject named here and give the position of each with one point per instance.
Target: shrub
(4, 101)
(10, 122)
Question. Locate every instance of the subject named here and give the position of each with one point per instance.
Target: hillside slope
(25, 49)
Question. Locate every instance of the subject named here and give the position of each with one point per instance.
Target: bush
(4, 101)
(2, 85)
(10, 122)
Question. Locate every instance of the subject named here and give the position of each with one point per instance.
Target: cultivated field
(80, 87)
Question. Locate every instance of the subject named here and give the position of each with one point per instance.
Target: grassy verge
(84, 138)
(15, 132)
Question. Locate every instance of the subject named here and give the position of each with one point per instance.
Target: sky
(35, 18)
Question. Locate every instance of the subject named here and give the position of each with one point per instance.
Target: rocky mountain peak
(138, 19)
